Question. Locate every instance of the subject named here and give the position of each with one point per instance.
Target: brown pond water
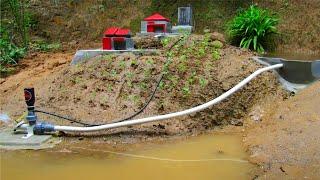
(204, 157)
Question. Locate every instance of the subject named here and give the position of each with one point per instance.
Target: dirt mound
(286, 141)
(198, 69)
(107, 88)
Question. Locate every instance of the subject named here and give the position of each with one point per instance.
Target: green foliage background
(252, 28)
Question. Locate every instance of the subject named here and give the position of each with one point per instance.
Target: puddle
(204, 157)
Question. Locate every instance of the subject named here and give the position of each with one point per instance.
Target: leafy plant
(9, 53)
(251, 28)
(215, 55)
(203, 82)
(186, 91)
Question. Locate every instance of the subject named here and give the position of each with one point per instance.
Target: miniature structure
(117, 39)
(156, 23)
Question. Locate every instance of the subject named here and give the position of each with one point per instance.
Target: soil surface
(284, 139)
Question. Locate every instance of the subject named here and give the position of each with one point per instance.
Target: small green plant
(133, 62)
(203, 82)
(77, 80)
(251, 28)
(130, 75)
(165, 41)
(150, 61)
(147, 73)
(182, 67)
(192, 78)
(134, 98)
(186, 90)
(143, 85)
(129, 83)
(122, 64)
(217, 44)
(215, 55)
(113, 73)
(109, 87)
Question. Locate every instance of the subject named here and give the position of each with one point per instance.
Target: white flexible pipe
(171, 115)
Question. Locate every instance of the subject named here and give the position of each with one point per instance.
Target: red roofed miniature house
(156, 23)
(116, 38)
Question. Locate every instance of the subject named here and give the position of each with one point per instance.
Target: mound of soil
(112, 87)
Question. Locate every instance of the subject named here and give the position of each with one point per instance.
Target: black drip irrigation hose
(120, 120)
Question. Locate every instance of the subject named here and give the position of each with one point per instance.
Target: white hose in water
(171, 115)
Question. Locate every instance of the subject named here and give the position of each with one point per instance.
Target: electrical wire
(120, 120)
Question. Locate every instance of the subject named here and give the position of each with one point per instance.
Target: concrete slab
(83, 55)
(9, 140)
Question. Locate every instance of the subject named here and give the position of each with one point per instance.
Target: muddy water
(204, 157)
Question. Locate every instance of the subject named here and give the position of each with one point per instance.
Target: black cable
(63, 117)
(121, 120)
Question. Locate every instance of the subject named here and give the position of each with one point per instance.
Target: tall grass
(252, 28)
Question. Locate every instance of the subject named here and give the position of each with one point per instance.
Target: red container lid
(115, 31)
(111, 31)
(156, 17)
(123, 32)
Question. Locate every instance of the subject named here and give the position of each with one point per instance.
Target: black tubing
(120, 120)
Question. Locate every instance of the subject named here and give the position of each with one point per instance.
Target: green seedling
(203, 82)
(113, 72)
(122, 64)
(186, 90)
(150, 61)
(217, 44)
(143, 85)
(129, 75)
(215, 55)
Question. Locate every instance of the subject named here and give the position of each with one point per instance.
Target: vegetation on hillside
(252, 28)
(14, 32)
(16, 23)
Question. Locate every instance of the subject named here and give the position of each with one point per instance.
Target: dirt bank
(113, 87)
(284, 139)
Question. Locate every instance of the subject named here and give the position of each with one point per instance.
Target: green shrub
(9, 53)
(252, 28)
